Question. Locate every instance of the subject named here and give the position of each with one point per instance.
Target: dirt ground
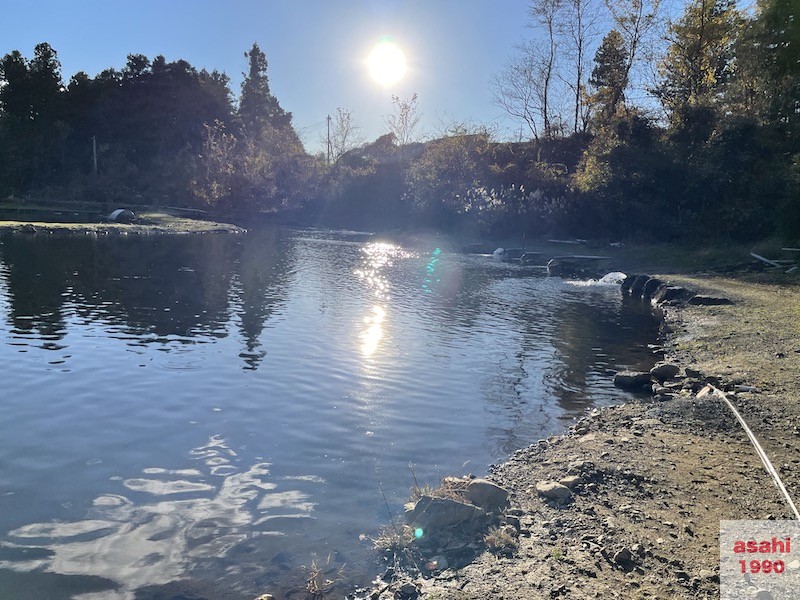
(654, 478)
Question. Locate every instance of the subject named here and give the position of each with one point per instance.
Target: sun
(386, 63)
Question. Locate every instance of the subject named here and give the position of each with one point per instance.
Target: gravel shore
(651, 480)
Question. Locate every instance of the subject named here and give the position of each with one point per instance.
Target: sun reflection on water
(378, 258)
(374, 332)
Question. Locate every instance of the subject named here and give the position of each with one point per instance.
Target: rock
(631, 380)
(665, 371)
(552, 490)
(28, 228)
(638, 285)
(408, 591)
(650, 287)
(628, 282)
(514, 522)
(436, 513)
(489, 496)
(762, 595)
(623, 556)
(579, 466)
(746, 388)
(439, 563)
(670, 293)
(571, 481)
(266, 597)
(121, 215)
(693, 373)
(700, 300)
(708, 575)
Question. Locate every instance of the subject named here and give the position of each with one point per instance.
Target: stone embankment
(627, 503)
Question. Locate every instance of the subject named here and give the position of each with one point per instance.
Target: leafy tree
(767, 78)
(438, 181)
(700, 55)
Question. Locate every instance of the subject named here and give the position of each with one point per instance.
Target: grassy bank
(148, 222)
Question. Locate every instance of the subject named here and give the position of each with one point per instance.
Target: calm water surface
(199, 416)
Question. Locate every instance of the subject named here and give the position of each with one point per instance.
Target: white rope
(710, 389)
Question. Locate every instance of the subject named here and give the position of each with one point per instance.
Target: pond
(201, 416)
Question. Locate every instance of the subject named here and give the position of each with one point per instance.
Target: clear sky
(316, 49)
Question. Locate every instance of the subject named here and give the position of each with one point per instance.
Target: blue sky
(315, 48)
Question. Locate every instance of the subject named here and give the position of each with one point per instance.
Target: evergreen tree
(609, 76)
(257, 105)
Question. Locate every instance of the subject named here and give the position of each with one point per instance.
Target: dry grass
(321, 578)
(500, 540)
(394, 538)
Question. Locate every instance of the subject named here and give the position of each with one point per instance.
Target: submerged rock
(632, 380)
(626, 284)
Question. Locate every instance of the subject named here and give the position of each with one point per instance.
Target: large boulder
(650, 287)
(437, 513)
(632, 380)
(121, 215)
(670, 293)
(665, 371)
(628, 282)
(487, 495)
(638, 285)
(552, 490)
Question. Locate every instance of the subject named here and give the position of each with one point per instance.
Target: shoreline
(655, 477)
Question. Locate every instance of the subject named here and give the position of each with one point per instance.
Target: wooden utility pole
(330, 150)
(94, 153)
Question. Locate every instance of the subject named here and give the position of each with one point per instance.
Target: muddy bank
(651, 480)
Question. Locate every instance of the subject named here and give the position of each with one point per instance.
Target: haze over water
(208, 412)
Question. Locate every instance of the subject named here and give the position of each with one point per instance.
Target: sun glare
(387, 63)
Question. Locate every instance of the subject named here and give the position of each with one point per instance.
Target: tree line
(634, 125)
